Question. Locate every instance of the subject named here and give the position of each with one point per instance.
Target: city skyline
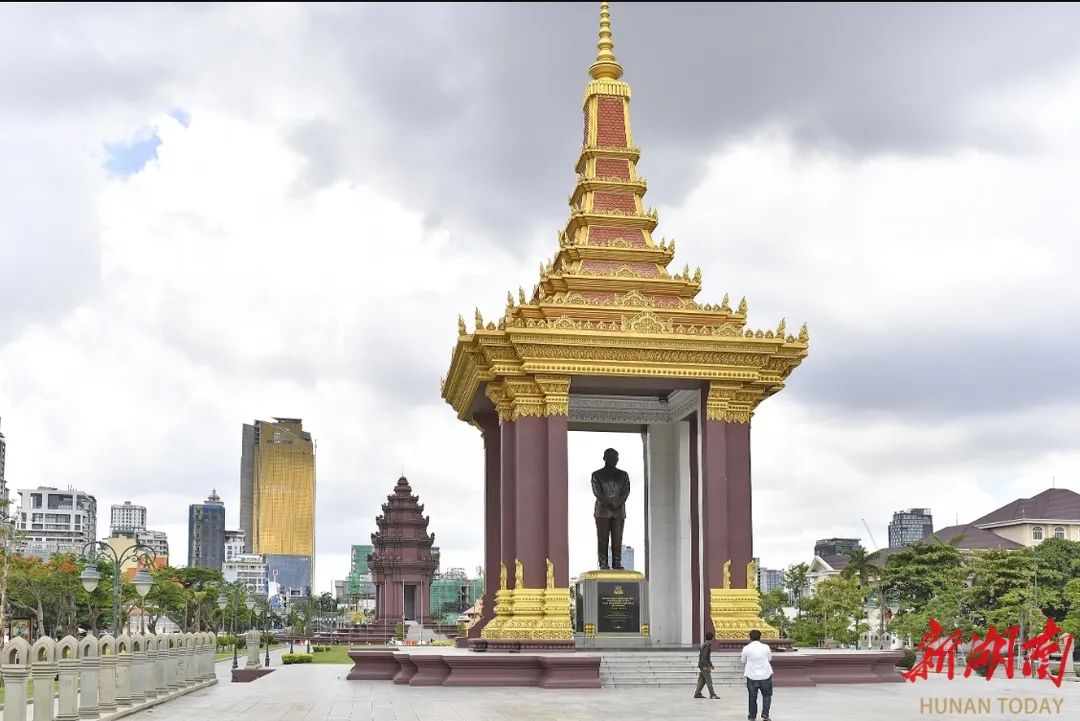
(230, 254)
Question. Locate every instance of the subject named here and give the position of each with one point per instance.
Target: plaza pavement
(321, 693)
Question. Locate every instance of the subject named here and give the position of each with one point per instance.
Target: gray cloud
(488, 95)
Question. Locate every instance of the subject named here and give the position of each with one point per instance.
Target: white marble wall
(668, 526)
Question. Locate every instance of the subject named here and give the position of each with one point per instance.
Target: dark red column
(531, 520)
(696, 634)
(739, 521)
(489, 427)
(508, 501)
(558, 510)
(714, 505)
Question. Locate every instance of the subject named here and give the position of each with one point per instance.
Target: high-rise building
(54, 521)
(277, 496)
(358, 583)
(836, 546)
(250, 570)
(3, 459)
(339, 590)
(206, 533)
(234, 544)
(127, 517)
(769, 579)
(910, 526)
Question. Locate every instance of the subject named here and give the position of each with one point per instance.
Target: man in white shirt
(758, 672)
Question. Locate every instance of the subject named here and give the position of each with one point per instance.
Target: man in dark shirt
(705, 667)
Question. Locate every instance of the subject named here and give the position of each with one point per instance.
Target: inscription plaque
(618, 607)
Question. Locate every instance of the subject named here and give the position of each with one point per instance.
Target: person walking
(705, 667)
(758, 672)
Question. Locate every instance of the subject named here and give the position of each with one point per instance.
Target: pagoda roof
(608, 302)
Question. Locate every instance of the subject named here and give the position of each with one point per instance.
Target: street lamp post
(266, 621)
(138, 552)
(224, 601)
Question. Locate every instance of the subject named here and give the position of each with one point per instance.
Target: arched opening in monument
(653, 434)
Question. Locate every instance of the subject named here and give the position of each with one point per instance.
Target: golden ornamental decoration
(751, 575)
(502, 576)
(645, 322)
(727, 573)
(550, 574)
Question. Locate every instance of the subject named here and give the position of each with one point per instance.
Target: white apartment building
(234, 544)
(127, 517)
(250, 570)
(56, 521)
(157, 540)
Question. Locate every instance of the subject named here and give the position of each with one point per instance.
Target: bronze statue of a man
(611, 486)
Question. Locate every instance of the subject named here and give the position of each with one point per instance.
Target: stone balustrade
(99, 677)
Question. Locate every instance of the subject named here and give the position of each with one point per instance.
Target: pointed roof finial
(605, 65)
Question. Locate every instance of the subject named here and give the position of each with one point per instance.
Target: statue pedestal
(612, 610)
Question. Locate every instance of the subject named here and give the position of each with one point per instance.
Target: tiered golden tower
(607, 315)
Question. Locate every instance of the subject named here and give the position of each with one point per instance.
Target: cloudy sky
(216, 213)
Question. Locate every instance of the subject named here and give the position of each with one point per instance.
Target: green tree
(772, 610)
(166, 598)
(1000, 588)
(45, 588)
(863, 567)
(1055, 562)
(796, 582)
(326, 602)
(926, 580)
(1071, 623)
(837, 606)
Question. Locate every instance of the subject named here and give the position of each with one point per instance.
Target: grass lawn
(242, 653)
(333, 654)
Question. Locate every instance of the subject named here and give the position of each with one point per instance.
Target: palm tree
(863, 567)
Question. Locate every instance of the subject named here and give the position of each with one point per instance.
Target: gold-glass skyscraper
(277, 491)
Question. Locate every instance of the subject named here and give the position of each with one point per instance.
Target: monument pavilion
(611, 337)
(404, 559)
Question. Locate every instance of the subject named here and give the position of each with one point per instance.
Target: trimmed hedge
(290, 658)
(908, 659)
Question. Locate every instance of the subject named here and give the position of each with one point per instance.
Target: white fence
(99, 676)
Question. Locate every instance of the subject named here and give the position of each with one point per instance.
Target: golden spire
(605, 65)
